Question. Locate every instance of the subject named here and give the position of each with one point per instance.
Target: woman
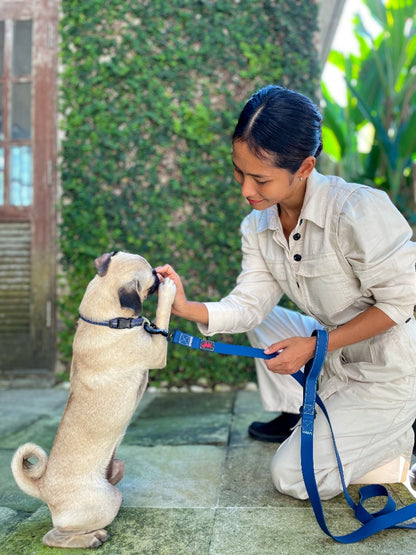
(342, 253)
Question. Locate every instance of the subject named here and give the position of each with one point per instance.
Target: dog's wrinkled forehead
(128, 266)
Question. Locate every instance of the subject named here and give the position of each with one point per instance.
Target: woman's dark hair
(282, 123)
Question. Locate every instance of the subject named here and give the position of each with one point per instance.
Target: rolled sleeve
(375, 239)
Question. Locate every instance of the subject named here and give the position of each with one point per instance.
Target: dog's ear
(102, 263)
(129, 297)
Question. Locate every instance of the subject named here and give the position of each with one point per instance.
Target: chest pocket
(325, 284)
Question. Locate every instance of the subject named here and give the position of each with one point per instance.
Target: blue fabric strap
(193, 342)
(389, 516)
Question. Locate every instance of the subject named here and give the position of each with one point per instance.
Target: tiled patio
(195, 483)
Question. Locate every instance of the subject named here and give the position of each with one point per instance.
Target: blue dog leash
(389, 516)
(193, 342)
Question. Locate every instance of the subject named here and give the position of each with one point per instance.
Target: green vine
(150, 92)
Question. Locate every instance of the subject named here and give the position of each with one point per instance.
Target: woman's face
(262, 184)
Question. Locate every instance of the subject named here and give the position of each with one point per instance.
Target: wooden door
(28, 82)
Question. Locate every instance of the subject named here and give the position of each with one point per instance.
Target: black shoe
(414, 445)
(275, 431)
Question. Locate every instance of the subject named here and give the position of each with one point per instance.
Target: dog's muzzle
(155, 285)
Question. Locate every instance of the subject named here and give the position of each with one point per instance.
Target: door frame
(42, 213)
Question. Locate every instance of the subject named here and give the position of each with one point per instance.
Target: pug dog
(112, 354)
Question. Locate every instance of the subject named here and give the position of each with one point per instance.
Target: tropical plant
(381, 96)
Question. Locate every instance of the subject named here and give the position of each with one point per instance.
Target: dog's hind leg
(59, 538)
(82, 523)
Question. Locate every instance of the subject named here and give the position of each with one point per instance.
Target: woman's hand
(167, 271)
(293, 353)
(194, 311)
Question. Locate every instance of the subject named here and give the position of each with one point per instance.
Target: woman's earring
(300, 178)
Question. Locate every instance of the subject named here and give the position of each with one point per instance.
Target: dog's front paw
(168, 290)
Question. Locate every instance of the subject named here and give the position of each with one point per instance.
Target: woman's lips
(251, 201)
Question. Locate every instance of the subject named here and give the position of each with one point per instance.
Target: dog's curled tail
(26, 473)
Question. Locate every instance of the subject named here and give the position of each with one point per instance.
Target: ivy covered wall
(150, 93)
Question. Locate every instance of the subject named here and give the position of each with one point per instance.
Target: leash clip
(151, 328)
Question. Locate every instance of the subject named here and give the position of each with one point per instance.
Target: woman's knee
(280, 324)
(286, 471)
(287, 474)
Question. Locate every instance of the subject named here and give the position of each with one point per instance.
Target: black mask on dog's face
(155, 285)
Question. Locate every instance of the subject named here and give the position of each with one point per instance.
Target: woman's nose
(248, 189)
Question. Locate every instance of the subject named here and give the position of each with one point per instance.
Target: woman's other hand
(293, 353)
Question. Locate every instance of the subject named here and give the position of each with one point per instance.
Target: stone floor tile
(209, 428)
(247, 409)
(133, 532)
(171, 476)
(283, 531)
(239, 429)
(41, 431)
(181, 419)
(147, 399)
(247, 481)
(40, 425)
(160, 532)
(185, 404)
(20, 407)
(9, 520)
(250, 402)
(26, 538)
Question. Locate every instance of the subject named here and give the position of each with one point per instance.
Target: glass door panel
(21, 110)
(21, 176)
(22, 48)
(16, 162)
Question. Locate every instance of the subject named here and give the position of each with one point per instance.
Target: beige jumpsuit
(350, 250)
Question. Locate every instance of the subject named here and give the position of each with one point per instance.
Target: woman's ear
(129, 297)
(306, 167)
